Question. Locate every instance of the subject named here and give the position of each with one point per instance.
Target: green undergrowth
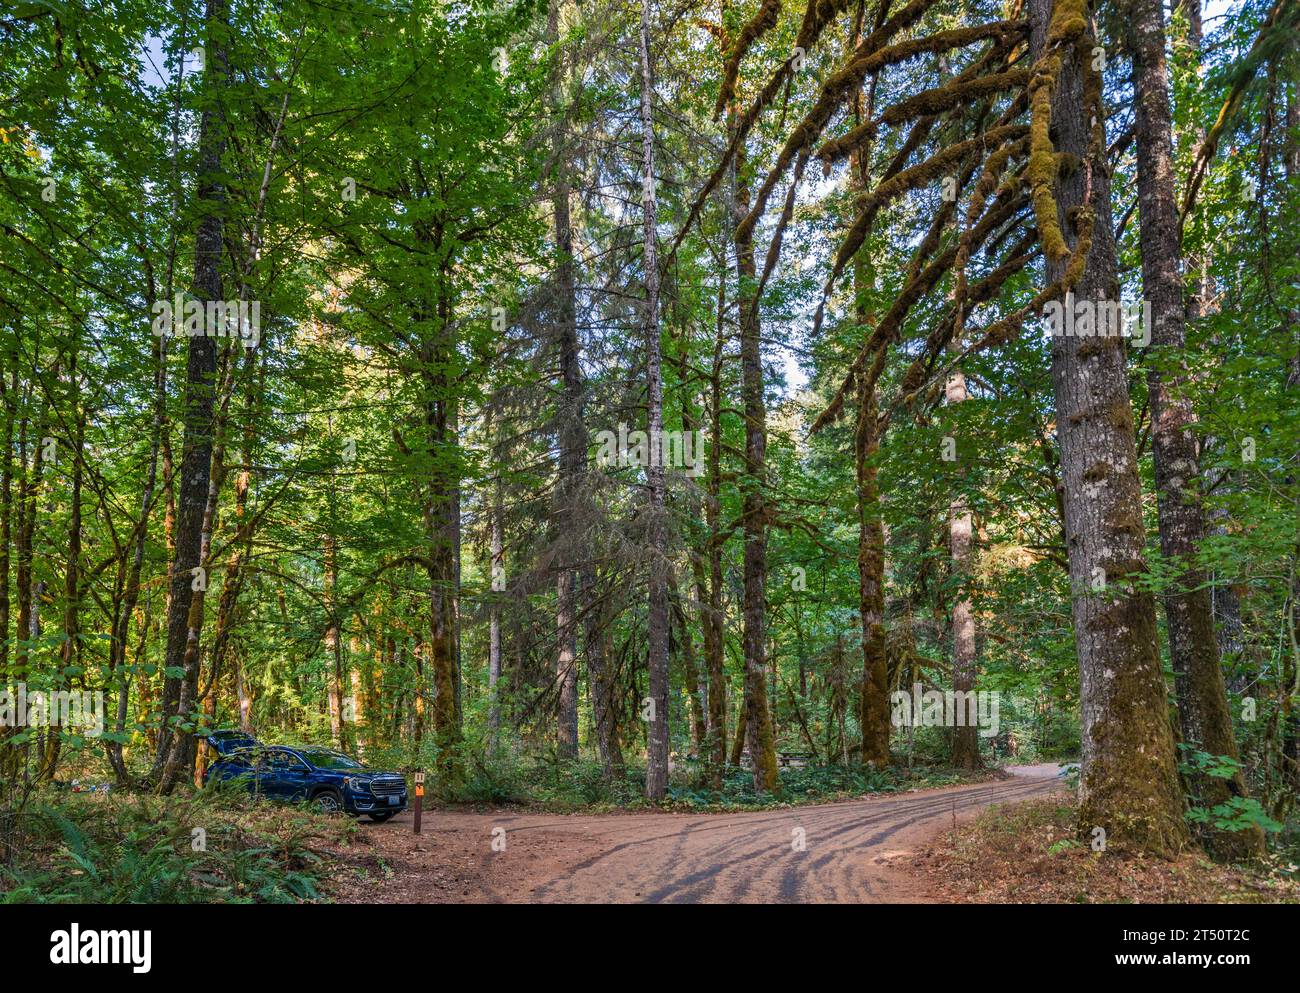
(565, 787)
(194, 847)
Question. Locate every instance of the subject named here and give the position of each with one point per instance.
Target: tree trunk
(874, 710)
(494, 621)
(690, 672)
(441, 531)
(176, 744)
(712, 606)
(244, 697)
(333, 639)
(600, 681)
(9, 398)
(1225, 603)
(1129, 785)
(758, 715)
(965, 736)
(1202, 698)
(740, 738)
(572, 432)
(697, 676)
(874, 713)
(241, 552)
(657, 739)
(1291, 714)
(566, 666)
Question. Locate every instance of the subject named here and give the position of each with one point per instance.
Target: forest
(696, 404)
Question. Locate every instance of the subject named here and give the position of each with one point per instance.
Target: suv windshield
(322, 759)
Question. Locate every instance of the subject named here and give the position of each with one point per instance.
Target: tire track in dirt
(769, 854)
(676, 858)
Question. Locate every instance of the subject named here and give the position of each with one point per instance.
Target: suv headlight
(357, 785)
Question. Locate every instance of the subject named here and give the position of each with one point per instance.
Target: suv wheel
(328, 802)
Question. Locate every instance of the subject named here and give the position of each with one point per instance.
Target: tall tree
(176, 747)
(572, 430)
(868, 434)
(1202, 698)
(754, 511)
(657, 738)
(1129, 781)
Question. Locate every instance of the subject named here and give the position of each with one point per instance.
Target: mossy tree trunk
(1202, 698)
(1129, 783)
(442, 523)
(873, 710)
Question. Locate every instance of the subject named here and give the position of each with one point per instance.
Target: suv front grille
(388, 785)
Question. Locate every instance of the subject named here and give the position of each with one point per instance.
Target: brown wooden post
(419, 798)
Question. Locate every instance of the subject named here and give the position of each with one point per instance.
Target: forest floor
(1028, 853)
(856, 851)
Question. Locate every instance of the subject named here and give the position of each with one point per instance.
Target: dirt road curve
(847, 856)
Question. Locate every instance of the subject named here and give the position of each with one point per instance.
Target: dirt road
(834, 853)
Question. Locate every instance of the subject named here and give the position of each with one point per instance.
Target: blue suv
(329, 779)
